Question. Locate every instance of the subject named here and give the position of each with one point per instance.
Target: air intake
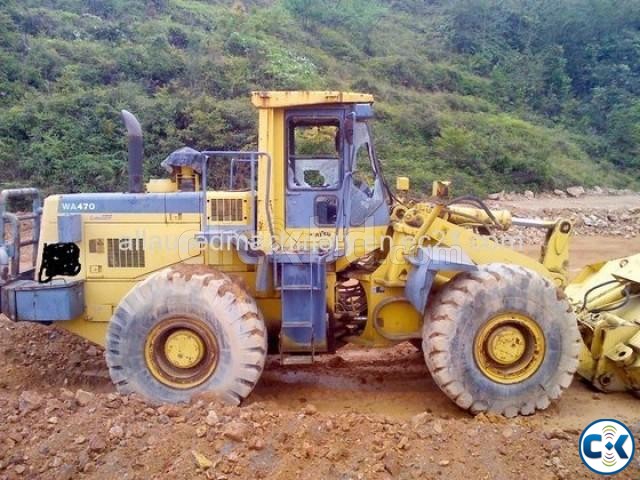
(224, 210)
(125, 252)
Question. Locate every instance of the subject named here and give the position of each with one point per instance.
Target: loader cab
(324, 165)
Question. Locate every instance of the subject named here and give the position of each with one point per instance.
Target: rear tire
(185, 330)
(525, 324)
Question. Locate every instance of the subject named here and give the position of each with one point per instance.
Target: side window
(314, 154)
(366, 194)
(326, 210)
(364, 176)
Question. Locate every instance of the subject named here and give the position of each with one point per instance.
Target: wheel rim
(181, 351)
(509, 348)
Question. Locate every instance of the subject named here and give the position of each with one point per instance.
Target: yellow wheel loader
(297, 249)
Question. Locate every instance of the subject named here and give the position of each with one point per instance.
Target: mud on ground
(363, 414)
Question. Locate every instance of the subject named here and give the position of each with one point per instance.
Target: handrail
(16, 245)
(9, 193)
(253, 158)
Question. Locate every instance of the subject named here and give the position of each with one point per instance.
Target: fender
(427, 262)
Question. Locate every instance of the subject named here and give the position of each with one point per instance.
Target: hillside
(491, 93)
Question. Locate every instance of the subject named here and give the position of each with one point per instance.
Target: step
(297, 324)
(296, 359)
(298, 287)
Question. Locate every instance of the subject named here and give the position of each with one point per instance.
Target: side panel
(125, 251)
(124, 238)
(120, 247)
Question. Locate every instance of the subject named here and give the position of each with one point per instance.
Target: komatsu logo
(78, 206)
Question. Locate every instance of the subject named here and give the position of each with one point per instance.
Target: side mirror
(348, 130)
(403, 184)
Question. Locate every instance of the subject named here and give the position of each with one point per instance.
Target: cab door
(315, 162)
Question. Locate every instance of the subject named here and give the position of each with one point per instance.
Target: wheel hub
(506, 345)
(181, 351)
(509, 348)
(184, 348)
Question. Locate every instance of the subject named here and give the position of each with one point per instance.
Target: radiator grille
(226, 210)
(125, 252)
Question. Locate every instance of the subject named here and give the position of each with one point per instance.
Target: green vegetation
(494, 94)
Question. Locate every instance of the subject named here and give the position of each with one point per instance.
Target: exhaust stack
(135, 150)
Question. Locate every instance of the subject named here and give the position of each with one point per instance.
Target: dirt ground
(590, 202)
(362, 414)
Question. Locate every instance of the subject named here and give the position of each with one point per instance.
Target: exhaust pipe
(135, 149)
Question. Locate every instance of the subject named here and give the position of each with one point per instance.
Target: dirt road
(358, 415)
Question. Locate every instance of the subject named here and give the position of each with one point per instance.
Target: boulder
(84, 398)
(575, 192)
(201, 461)
(29, 401)
(236, 431)
(211, 419)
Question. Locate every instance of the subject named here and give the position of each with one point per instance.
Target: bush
(493, 94)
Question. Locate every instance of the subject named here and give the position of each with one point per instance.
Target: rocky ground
(614, 213)
(363, 414)
(356, 416)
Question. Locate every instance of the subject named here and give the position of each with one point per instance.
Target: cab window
(314, 153)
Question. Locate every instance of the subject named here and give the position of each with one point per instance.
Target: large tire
(470, 305)
(219, 318)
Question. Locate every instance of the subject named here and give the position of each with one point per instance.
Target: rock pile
(588, 215)
(207, 439)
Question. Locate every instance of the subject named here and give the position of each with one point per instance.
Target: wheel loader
(299, 248)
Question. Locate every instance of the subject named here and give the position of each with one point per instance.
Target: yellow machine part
(509, 348)
(606, 297)
(467, 215)
(281, 99)
(107, 280)
(426, 224)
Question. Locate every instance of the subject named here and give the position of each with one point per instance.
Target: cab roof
(280, 99)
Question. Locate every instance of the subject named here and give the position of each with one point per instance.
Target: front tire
(185, 330)
(501, 339)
